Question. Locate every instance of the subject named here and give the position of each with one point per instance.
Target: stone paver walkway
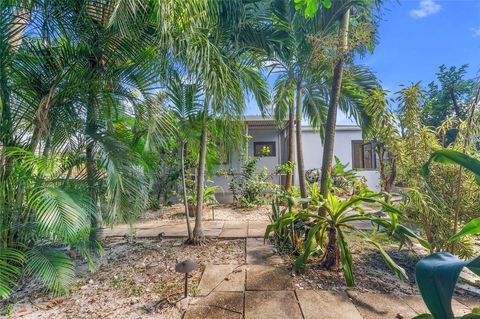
(212, 229)
(262, 288)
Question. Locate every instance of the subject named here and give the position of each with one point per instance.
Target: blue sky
(417, 36)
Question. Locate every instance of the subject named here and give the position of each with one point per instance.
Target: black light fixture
(186, 267)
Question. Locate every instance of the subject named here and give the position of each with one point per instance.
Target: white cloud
(426, 8)
(476, 32)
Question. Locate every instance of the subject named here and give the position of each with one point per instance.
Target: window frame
(273, 151)
(362, 159)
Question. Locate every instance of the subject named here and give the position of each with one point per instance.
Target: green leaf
(327, 4)
(424, 316)
(11, 261)
(346, 259)
(392, 265)
(471, 228)
(310, 246)
(437, 275)
(52, 267)
(453, 157)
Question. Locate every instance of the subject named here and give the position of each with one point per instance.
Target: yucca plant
(339, 218)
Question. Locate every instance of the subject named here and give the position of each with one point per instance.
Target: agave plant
(340, 217)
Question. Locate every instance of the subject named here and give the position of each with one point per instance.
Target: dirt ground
(371, 272)
(136, 280)
(222, 212)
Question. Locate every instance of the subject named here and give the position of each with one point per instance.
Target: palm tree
(332, 107)
(63, 163)
(365, 17)
(185, 104)
(218, 57)
(296, 78)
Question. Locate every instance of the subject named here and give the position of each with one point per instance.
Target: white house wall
(312, 154)
(342, 148)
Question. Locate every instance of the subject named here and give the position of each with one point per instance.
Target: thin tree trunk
(332, 108)
(291, 144)
(96, 220)
(48, 144)
(331, 258)
(40, 120)
(17, 28)
(184, 187)
(456, 107)
(301, 167)
(198, 236)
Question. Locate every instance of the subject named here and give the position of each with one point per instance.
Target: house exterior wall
(312, 154)
(257, 134)
(342, 148)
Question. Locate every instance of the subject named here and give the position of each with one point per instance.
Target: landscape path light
(186, 267)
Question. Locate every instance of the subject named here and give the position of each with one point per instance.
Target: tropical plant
(341, 180)
(251, 188)
(385, 136)
(351, 39)
(438, 273)
(288, 239)
(299, 88)
(209, 197)
(339, 217)
(185, 104)
(68, 89)
(449, 99)
(224, 63)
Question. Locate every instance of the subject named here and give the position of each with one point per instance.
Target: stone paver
(210, 312)
(271, 304)
(214, 276)
(256, 229)
(417, 304)
(172, 229)
(235, 281)
(263, 288)
(259, 253)
(470, 302)
(261, 277)
(326, 305)
(234, 229)
(374, 306)
(231, 301)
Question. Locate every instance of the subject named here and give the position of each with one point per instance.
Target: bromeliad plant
(338, 220)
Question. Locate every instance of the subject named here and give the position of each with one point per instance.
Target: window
(363, 155)
(264, 149)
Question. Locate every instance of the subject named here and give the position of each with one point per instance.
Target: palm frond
(51, 267)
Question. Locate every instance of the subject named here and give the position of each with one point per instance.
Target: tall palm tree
(296, 78)
(332, 107)
(365, 15)
(218, 55)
